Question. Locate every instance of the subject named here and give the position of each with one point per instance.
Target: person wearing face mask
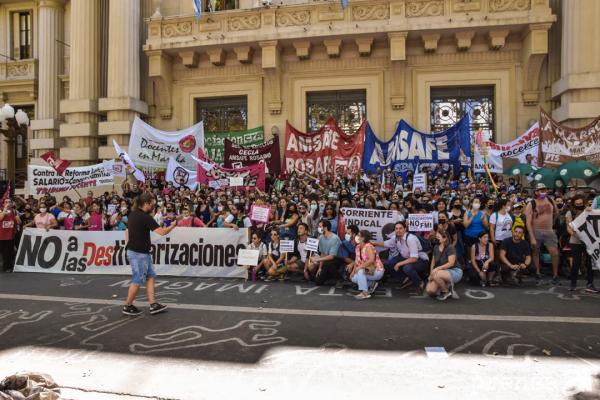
(169, 216)
(444, 270)
(9, 221)
(44, 220)
(189, 220)
(120, 219)
(541, 213)
(306, 217)
(324, 266)
(515, 257)
(500, 223)
(578, 248)
(289, 219)
(367, 269)
(475, 221)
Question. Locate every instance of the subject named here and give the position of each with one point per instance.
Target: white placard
(286, 246)
(235, 181)
(420, 182)
(248, 257)
(312, 244)
(260, 214)
(420, 222)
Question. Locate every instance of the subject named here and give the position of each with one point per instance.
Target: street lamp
(11, 124)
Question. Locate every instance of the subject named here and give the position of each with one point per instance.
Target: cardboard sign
(236, 181)
(286, 246)
(260, 214)
(248, 257)
(420, 222)
(312, 244)
(420, 182)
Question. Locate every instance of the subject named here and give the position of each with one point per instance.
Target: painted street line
(322, 313)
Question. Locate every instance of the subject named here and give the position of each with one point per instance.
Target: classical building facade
(83, 69)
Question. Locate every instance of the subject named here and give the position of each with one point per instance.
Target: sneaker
(591, 289)
(483, 283)
(339, 284)
(555, 281)
(373, 287)
(282, 278)
(269, 279)
(538, 279)
(157, 308)
(453, 293)
(131, 310)
(572, 288)
(443, 296)
(494, 283)
(362, 296)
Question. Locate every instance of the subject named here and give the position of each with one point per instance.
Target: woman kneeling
(444, 270)
(368, 268)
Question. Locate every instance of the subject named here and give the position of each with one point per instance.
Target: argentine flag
(197, 9)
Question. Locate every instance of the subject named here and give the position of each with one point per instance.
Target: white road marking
(322, 313)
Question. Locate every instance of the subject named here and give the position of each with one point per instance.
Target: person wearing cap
(540, 214)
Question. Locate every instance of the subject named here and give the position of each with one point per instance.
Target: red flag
(55, 162)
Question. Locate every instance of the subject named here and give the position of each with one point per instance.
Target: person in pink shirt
(96, 219)
(368, 268)
(44, 220)
(188, 220)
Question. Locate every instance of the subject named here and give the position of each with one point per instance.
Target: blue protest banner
(409, 148)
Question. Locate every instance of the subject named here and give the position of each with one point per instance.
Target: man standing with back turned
(137, 236)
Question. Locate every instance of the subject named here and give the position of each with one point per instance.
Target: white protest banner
(587, 226)
(420, 222)
(214, 185)
(179, 176)
(248, 257)
(286, 246)
(260, 213)
(379, 222)
(312, 244)
(493, 153)
(420, 182)
(45, 180)
(202, 252)
(151, 148)
(236, 181)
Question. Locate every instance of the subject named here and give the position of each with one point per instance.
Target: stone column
(123, 102)
(50, 60)
(579, 85)
(81, 109)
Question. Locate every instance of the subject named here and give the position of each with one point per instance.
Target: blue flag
(410, 149)
(197, 9)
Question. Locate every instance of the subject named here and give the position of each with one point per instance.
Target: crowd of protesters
(482, 235)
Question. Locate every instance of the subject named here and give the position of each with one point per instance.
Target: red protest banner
(55, 162)
(218, 177)
(328, 151)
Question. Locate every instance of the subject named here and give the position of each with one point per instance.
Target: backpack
(426, 246)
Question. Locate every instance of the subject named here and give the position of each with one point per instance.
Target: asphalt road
(224, 338)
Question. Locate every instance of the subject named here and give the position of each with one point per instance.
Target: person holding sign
(137, 236)
(324, 267)
(578, 248)
(368, 268)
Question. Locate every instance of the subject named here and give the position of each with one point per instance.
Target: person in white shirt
(407, 258)
(501, 223)
(237, 219)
